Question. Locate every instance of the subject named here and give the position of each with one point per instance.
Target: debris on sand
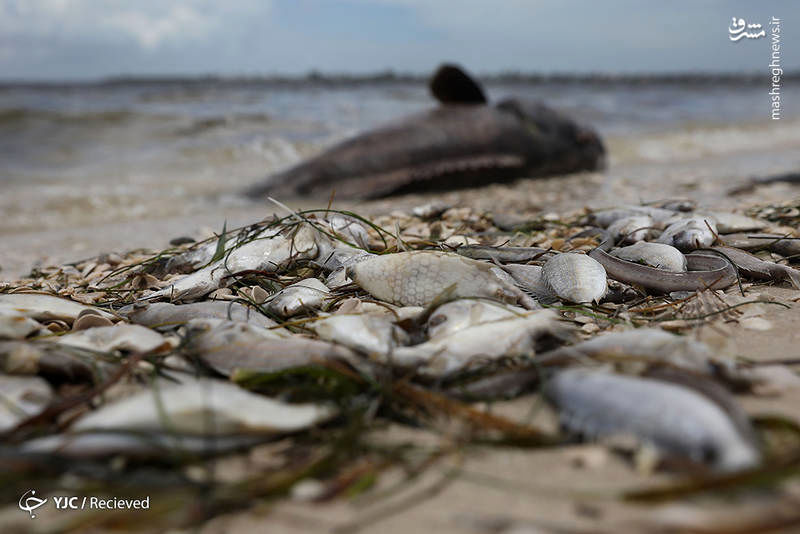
(320, 327)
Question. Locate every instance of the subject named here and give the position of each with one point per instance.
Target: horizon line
(388, 75)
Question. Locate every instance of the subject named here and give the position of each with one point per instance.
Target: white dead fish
(226, 346)
(348, 228)
(575, 278)
(675, 419)
(459, 314)
(690, 234)
(105, 444)
(308, 294)
(45, 307)
(202, 407)
(728, 223)
(261, 254)
(22, 397)
(527, 277)
(512, 337)
(125, 337)
(651, 345)
(156, 314)
(416, 278)
(656, 255)
(367, 333)
(47, 359)
(632, 229)
(15, 325)
(605, 218)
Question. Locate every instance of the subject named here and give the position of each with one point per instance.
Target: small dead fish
(527, 277)
(22, 397)
(59, 363)
(575, 278)
(504, 254)
(459, 314)
(308, 294)
(105, 444)
(366, 333)
(632, 229)
(15, 325)
(445, 355)
(754, 267)
(43, 307)
(651, 345)
(165, 314)
(728, 223)
(784, 247)
(656, 255)
(226, 346)
(416, 278)
(201, 407)
(260, 254)
(125, 337)
(690, 234)
(605, 218)
(676, 419)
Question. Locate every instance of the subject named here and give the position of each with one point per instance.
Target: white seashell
(45, 307)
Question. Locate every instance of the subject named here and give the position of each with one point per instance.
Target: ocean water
(77, 154)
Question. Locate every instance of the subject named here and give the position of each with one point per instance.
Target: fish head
(578, 145)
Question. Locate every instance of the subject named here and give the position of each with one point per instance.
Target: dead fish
(308, 294)
(105, 444)
(156, 314)
(657, 255)
(632, 229)
(202, 407)
(754, 267)
(226, 346)
(416, 278)
(44, 307)
(125, 337)
(22, 397)
(605, 218)
(366, 333)
(675, 419)
(527, 277)
(54, 362)
(260, 254)
(15, 325)
(728, 223)
(459, 314)
(348, 228)
(784, 247)
(575, 278)
(690, 234)
(445, 355)
(503, 254)
(651, 345)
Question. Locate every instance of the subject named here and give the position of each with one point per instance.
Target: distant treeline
(318, 79)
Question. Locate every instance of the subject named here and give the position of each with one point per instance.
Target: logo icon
(29, 504)
(737, 30)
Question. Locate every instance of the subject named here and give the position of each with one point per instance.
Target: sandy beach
(474, 488)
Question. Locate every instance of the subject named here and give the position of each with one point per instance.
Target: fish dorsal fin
(451, 85)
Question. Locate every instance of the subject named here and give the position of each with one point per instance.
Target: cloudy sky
(85, 39)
